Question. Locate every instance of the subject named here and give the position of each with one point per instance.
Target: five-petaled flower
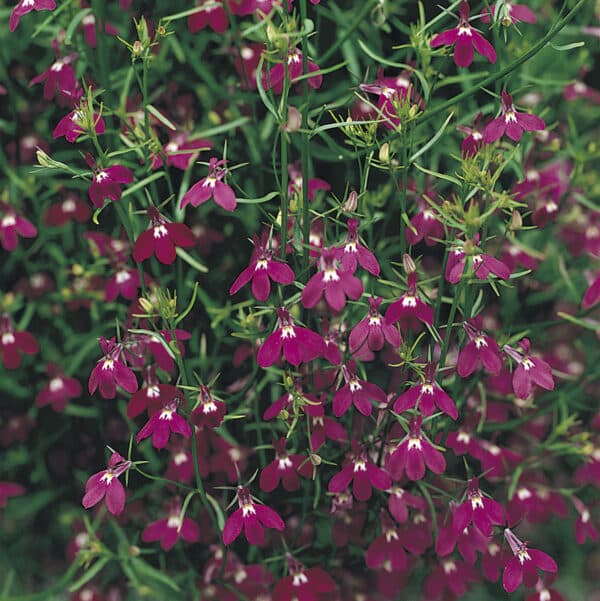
(482, 511)
(373, 331)
(530, 370)
(211, 186)
(480, 348)
(409, 309)
(13, 225)
(77, 122)
(356, 392)
(106, 183)
(353, 253)
(286, 468)
(59, 389)
(162, 423)
(169, 529)
(14, 343)
(110, 371)
(302, 583)
(26, 6)
(209, 412)
(107, 484)
(511, 122)
(276, 76)
(465, 40)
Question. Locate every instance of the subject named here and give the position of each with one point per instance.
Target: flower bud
(42, 158)
(137, 49)
(384, 153)
(315, 459)
(516, 221)
(294, 120)
(408, 264)
(351, 203)
(146, 305)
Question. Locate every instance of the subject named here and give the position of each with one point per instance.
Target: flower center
(180, 458)
(174, 522)
(8, 338)
(527, 364)
(160, 231)
(9, 221)
(414, 443)
(56, 384)
(510, 116)
(261, 264)
(108, 364)
(288, 332)
(248, 509)
(300, 579)
(68, 206)
(449, 567)
(374, 321)
(330, 275)
(166, 414)
(465, 30)
(479, 342)
(209, 407)
(523, 556)
(122, 276)
(101, 176)
(409, 300)
(285, 463)
(354, 385)
(360, 465)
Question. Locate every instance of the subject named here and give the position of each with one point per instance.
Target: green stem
(304, 150)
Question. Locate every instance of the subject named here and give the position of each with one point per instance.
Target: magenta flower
(209, 412)
(413, 453)
(152, 396)
(323, 428)
(285, 469)
(14, 343)
(297, 344)
(110, 371)
(584, 528)
(409, 307)
(373, 331)
(58, 77)
(106, 183)
(388, 547)
(274, 79)
(88, 26)
(64, 211)
(354, 253)
(252, 517)
(211, 186)
(450, 575)
(181, 151)
(356, 392)
(511, 122)
(579, 89)
(362, 473)
(524, 565)
(333, 283)
(465, 40)
(482, 264)
(12, 226)
(26, 6)
(74, 124)
(295, 183)
(212, 13)
(263, 268)
(161, 239)
(163, 423)
(481, 348)
(124, 281)
(482, 511)
(107, 484)
(400, 500)
(471, 145)
(169, 529)
(530, 370)
(59, 390)
(511, 13)
(425, 225)
(302, 583)
(428, 396)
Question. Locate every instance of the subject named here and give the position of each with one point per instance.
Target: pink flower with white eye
(425, 225)
(524, 565)
(474, 141)
(12, 226)
(106, 484)
(530, 370)
(170, 529)
(111, 371)
(295, 182)
(387, 547)
(26, 6)
(152, 396)
(583, 524)
(124, 281)
(69, 208)
(544, 593)
(428, 395)
(211, 13)
(354, 253)
(89, 26)
(303, 583)
(373, 331)
(246, 63)
(322, 427)
(482, 265)
(579, 89)
(362, 473)
(181, 152)
(211, 186)
(58, 77)
(413, 453)
(15, 343)
(275, 78)
(252, 517)
(162, 239)
(210, 412)
(59, 390)
(482, 511)
(481, 349)
(297, 344)
(356, 392)
(76, 123)
(470, 542)
(511, 122)
(285, 469)
(409, 308)
(511, 13)
(263, 268)
(450, 575)
(107, 182)
(400, 500)
(465, 40)
(163, 423)
(333, 283)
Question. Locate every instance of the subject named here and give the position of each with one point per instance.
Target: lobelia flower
(333, 345)
(13, 225)
(209, 412)
(211, 186)
(409, 307)
(471, 145)
(59, 390)
(106, 183)
(482, 265)
(425, 225)
(481, 349)
(162, 423)
(511, 122)
(400, 500)
(246, 61)
(579, 89)
(286, 468)
(373, 331)
(363, 474)
(303, 583)
(179, 151)
(295, 182)
(152, 396)
(387, 547)
(106, 484)
(353, 253)
(465, 40)
(58, 77)
(169, 529)
(276, 76)
(511, 13)
(110, 371)
(63, 212)
(263, 268)
(252, 517)
(413, 453)
(333, 283)
(14, 343)
(450, 575)
(161, 239)
(428, 395)
(469, 540)
(26, 6)
(322, 427)
(212, 13)
(74, 124)
(482, 511)
(297, 344)
(124, 281)
(583, 524)
(544, 593)
(530, 370)
(524, 565)
(356, 392)
(88, 26)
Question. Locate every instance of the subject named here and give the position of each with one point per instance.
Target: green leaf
(255, 201)
(145, 569)
(154, 111)
(89, 574)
